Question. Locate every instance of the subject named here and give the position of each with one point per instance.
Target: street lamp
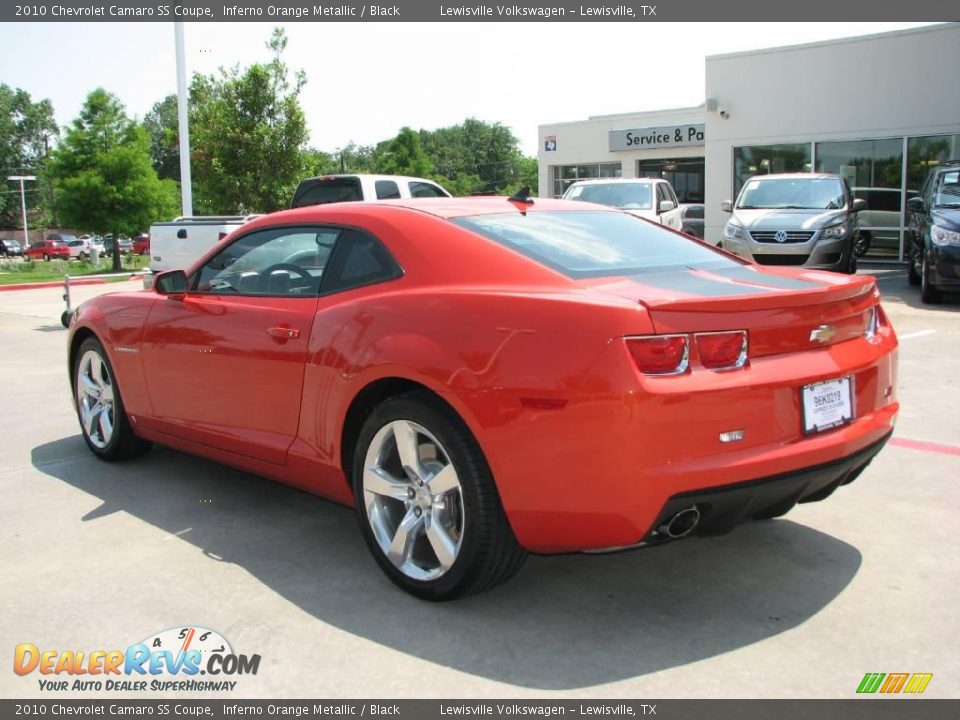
(23, 204)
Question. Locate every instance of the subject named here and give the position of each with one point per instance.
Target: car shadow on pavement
(564, 622)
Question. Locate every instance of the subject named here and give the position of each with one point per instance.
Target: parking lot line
(918, 333)
(926, 446)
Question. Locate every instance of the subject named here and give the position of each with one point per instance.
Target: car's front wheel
(427, 503)
(861, 244)
(103, 420)
(928, 292)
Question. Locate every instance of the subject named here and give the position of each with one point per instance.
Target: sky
(367, 80)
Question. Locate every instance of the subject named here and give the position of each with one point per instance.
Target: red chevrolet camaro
(485, 377)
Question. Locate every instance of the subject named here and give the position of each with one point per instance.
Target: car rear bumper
(720, 509)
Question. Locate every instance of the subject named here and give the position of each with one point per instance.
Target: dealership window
(925, 153)
(874, 171)
(766, 159)
(566, 175)
(685, 175)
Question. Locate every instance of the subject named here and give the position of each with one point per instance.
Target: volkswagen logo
(780, 236)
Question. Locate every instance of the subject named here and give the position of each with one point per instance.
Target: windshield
(594, 243)
(626, 196)
(948, 193)
(792, 194)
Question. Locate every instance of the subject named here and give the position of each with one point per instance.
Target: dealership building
(880, 110)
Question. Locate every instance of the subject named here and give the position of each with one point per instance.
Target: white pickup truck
(176, 245)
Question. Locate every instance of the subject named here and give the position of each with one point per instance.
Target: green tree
(484, 155)
(163, 128)
(404, 156)
(26, 128)
(104, 179)
(248, 136)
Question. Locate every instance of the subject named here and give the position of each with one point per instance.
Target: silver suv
(807, 219)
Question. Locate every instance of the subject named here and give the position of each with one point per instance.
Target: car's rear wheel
(928, 293)
(427, 503)
(103, 420)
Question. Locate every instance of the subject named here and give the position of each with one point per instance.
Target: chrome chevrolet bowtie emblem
(822, 334)
(780, 236)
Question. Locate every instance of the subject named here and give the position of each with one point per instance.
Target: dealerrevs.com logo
(171, 660)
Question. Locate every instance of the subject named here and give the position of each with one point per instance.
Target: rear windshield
(320, 191)
(594, 243)
(792, 194)
(627, 196)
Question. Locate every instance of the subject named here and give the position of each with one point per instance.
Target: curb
(51, 284)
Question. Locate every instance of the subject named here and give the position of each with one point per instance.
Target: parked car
(807, 219)
(934, 235)
(126, 244)
(492, 376)
(11, 248)
(141, 244)
(692, 218)
(81, 248)
(649, 198)
(880, 222)
(53, 248)
(354, 188)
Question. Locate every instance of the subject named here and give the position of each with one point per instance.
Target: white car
(81, 247)
(649, 198)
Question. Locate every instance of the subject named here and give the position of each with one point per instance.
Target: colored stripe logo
(890, 683)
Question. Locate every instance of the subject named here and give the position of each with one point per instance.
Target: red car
(141, 245)
(488, 376)
(49, 249)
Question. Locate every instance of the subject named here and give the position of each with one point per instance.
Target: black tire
(488, 552)
(122, 443)
(913, 277)
(851, 265)
(861, 243)
(928, 293)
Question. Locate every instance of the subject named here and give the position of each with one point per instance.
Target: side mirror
(859, 205)
(915, 204)
(172, 283)
(727, 206)
(666, 206)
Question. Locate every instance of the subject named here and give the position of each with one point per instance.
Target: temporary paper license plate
(826, 405)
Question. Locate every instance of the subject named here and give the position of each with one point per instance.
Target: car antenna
(522, 196)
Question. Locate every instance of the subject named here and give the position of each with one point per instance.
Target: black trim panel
(724, 507)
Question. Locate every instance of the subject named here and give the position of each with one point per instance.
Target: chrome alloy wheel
(413, 500)
(95, 399)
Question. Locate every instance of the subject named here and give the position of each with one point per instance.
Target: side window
(673, 195)
(425, 190)
(360, 259)
(387, 190)
(280, 261)
(661, 194)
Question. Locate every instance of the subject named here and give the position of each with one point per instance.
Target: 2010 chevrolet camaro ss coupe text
(485, 377)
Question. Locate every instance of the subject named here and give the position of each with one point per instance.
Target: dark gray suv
(807, 219)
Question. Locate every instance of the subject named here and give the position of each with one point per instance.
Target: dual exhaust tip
(681, 524)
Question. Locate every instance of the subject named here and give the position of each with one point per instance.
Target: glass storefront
(874, 171)
(684, 174)
(767, 159)
(566, 175)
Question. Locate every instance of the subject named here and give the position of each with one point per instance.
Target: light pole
(186, 186)
(23, 204)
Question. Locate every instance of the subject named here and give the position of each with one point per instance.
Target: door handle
(285, 333)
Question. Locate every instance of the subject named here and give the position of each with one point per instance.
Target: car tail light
(660, 354)
(722, 350)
